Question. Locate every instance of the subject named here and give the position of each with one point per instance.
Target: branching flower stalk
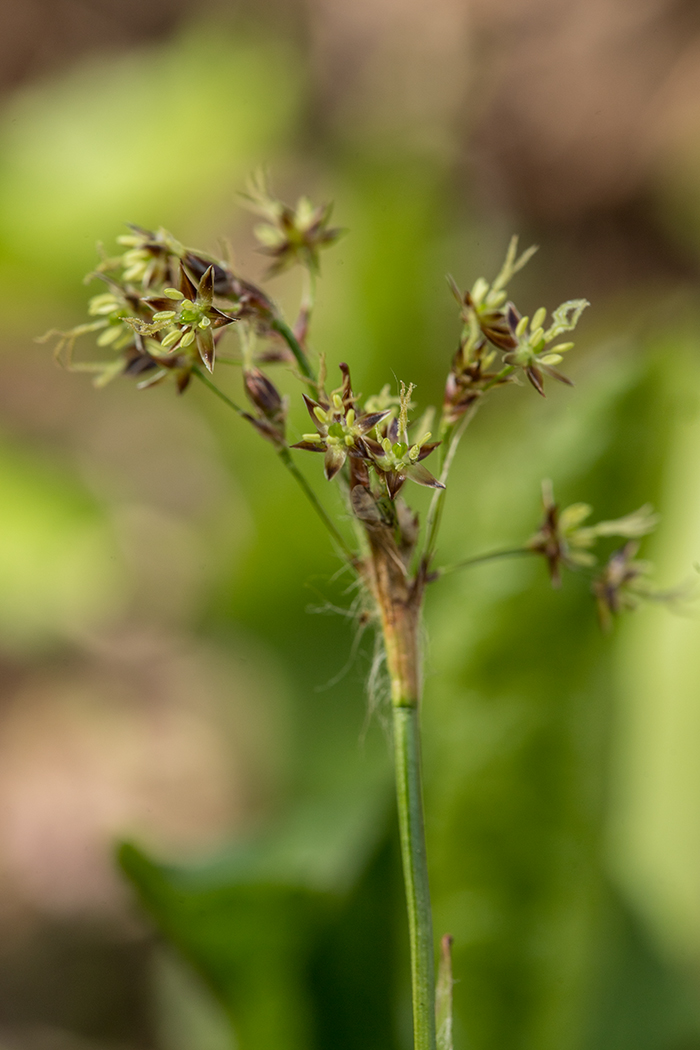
(163, 313)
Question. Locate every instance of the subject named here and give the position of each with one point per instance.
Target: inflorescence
(164, 310)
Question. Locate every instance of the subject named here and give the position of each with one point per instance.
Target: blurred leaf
(293, 966)
(639, 1002)
(517, 725)
(361, 959)
(655, 804)
(187, 1013)
(250, 942)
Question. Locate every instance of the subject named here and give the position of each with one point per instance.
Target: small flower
(249, 301)
(113, 309)
(563, 540)
(114, 312)
(485, 324)
(395, 459)
(290, 235)
(532, 351)
(186, 317)
(340, 431)
(148, 260)
(620, 586)
(483, 310)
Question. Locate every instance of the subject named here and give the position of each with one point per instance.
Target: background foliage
(174, 671)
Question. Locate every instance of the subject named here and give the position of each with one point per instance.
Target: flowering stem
(491, 556)
(399, 601)
(291, 466)
(407, 752)
(432, 523)
(289, 463)
(203, 378)
(503, 374)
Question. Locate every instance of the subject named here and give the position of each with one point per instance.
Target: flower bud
(263, 393)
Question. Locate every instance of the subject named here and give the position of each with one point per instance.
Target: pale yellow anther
(522, 326)
(109, 335)
(479, 290)
(170, 340)
(134, 271)
(102, 304)
(538, 319)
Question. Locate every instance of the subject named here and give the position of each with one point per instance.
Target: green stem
(503, 374)
(399, 601)
(295, 346)
(415, 870)
(432, 522)
(491, 556)
(291, 466)
(204, 378)
(454, 436)
(289, 463)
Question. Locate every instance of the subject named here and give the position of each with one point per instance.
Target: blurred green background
(176, 666)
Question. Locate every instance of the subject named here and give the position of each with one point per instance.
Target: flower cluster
(563, 540)
(164, 312)
(165, 308)
(377, 440)
(491, 323)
